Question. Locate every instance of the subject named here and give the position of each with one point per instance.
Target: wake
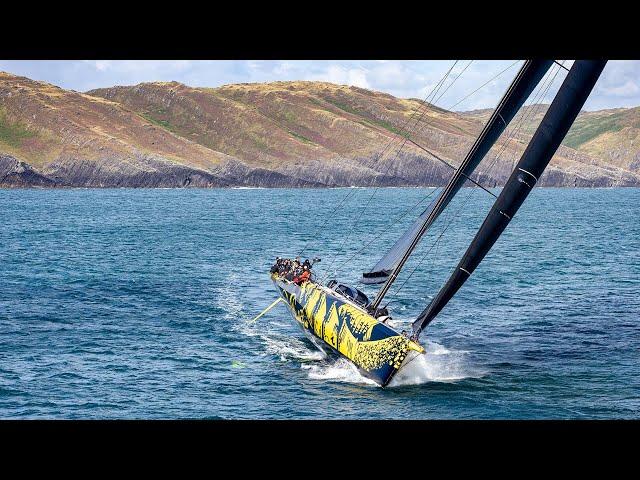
(438, 364)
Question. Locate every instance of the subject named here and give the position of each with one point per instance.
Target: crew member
(303, 277)
(276, 266)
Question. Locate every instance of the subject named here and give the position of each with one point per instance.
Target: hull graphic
(375, 348)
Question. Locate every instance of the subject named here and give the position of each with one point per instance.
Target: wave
(437, 364)
(289, 348)
(341, 370)
(284, 346)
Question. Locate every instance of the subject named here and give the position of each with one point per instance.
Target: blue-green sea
(134, 304)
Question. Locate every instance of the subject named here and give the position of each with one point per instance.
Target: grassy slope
(290, 127)
(612, 136)
(43, 124)
(267, 124)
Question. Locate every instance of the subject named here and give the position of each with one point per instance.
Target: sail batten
(389, 266)
(561, 114)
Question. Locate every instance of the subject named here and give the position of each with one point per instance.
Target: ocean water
(134, 304)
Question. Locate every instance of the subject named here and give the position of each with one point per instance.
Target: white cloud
(335, 73)
(618, 86)
(627, 89)
(102, 65)
(283, 68)
(393, 75)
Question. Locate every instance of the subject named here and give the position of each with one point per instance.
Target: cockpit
(351, 293)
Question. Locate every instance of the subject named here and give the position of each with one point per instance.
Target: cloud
(629, 88)
(340, 74)
(283, 68)
(619, 85)
(134, 67)
(102, 65)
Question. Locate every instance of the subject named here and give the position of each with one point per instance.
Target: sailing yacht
(343, 318)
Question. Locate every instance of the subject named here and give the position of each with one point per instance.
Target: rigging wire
(445, 121)
(389, 164)
(426, 150)
(523, 121)
(477, 184)
(433, 103)
(423, 102)
(531, 114)
(433, 92)
(543, 91)
(482, 86)
(472, 93)
(378, 237)
(524, 117)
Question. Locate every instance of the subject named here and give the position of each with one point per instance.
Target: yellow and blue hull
(376, 349)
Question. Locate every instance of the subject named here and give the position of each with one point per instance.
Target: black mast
(554, 126)
(528, 77)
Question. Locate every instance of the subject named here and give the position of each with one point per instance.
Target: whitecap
(339, 371)
(437, 364)
(289, 348)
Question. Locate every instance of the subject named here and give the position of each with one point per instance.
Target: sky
(619, 85)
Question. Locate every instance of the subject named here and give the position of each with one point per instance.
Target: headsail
(554, 126)
(389, 266)
(381, 271)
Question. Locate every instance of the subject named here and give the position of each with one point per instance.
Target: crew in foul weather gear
(293, 270)
(303, 277)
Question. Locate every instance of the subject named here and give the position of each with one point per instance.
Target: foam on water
(289, 348)
(232, 302)
(275, 342)
(437, 364)
(284, 346)
(159, 285)
(339, 371)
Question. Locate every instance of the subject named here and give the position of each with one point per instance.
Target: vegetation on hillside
(280, 133)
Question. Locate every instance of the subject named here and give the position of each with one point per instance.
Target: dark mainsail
(387, 269)
(381, 271)
(554, 126)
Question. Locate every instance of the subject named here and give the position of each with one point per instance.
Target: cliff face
(282, 134)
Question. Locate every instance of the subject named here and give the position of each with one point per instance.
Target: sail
(554, 126)
(523, 84)
(381, 271)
